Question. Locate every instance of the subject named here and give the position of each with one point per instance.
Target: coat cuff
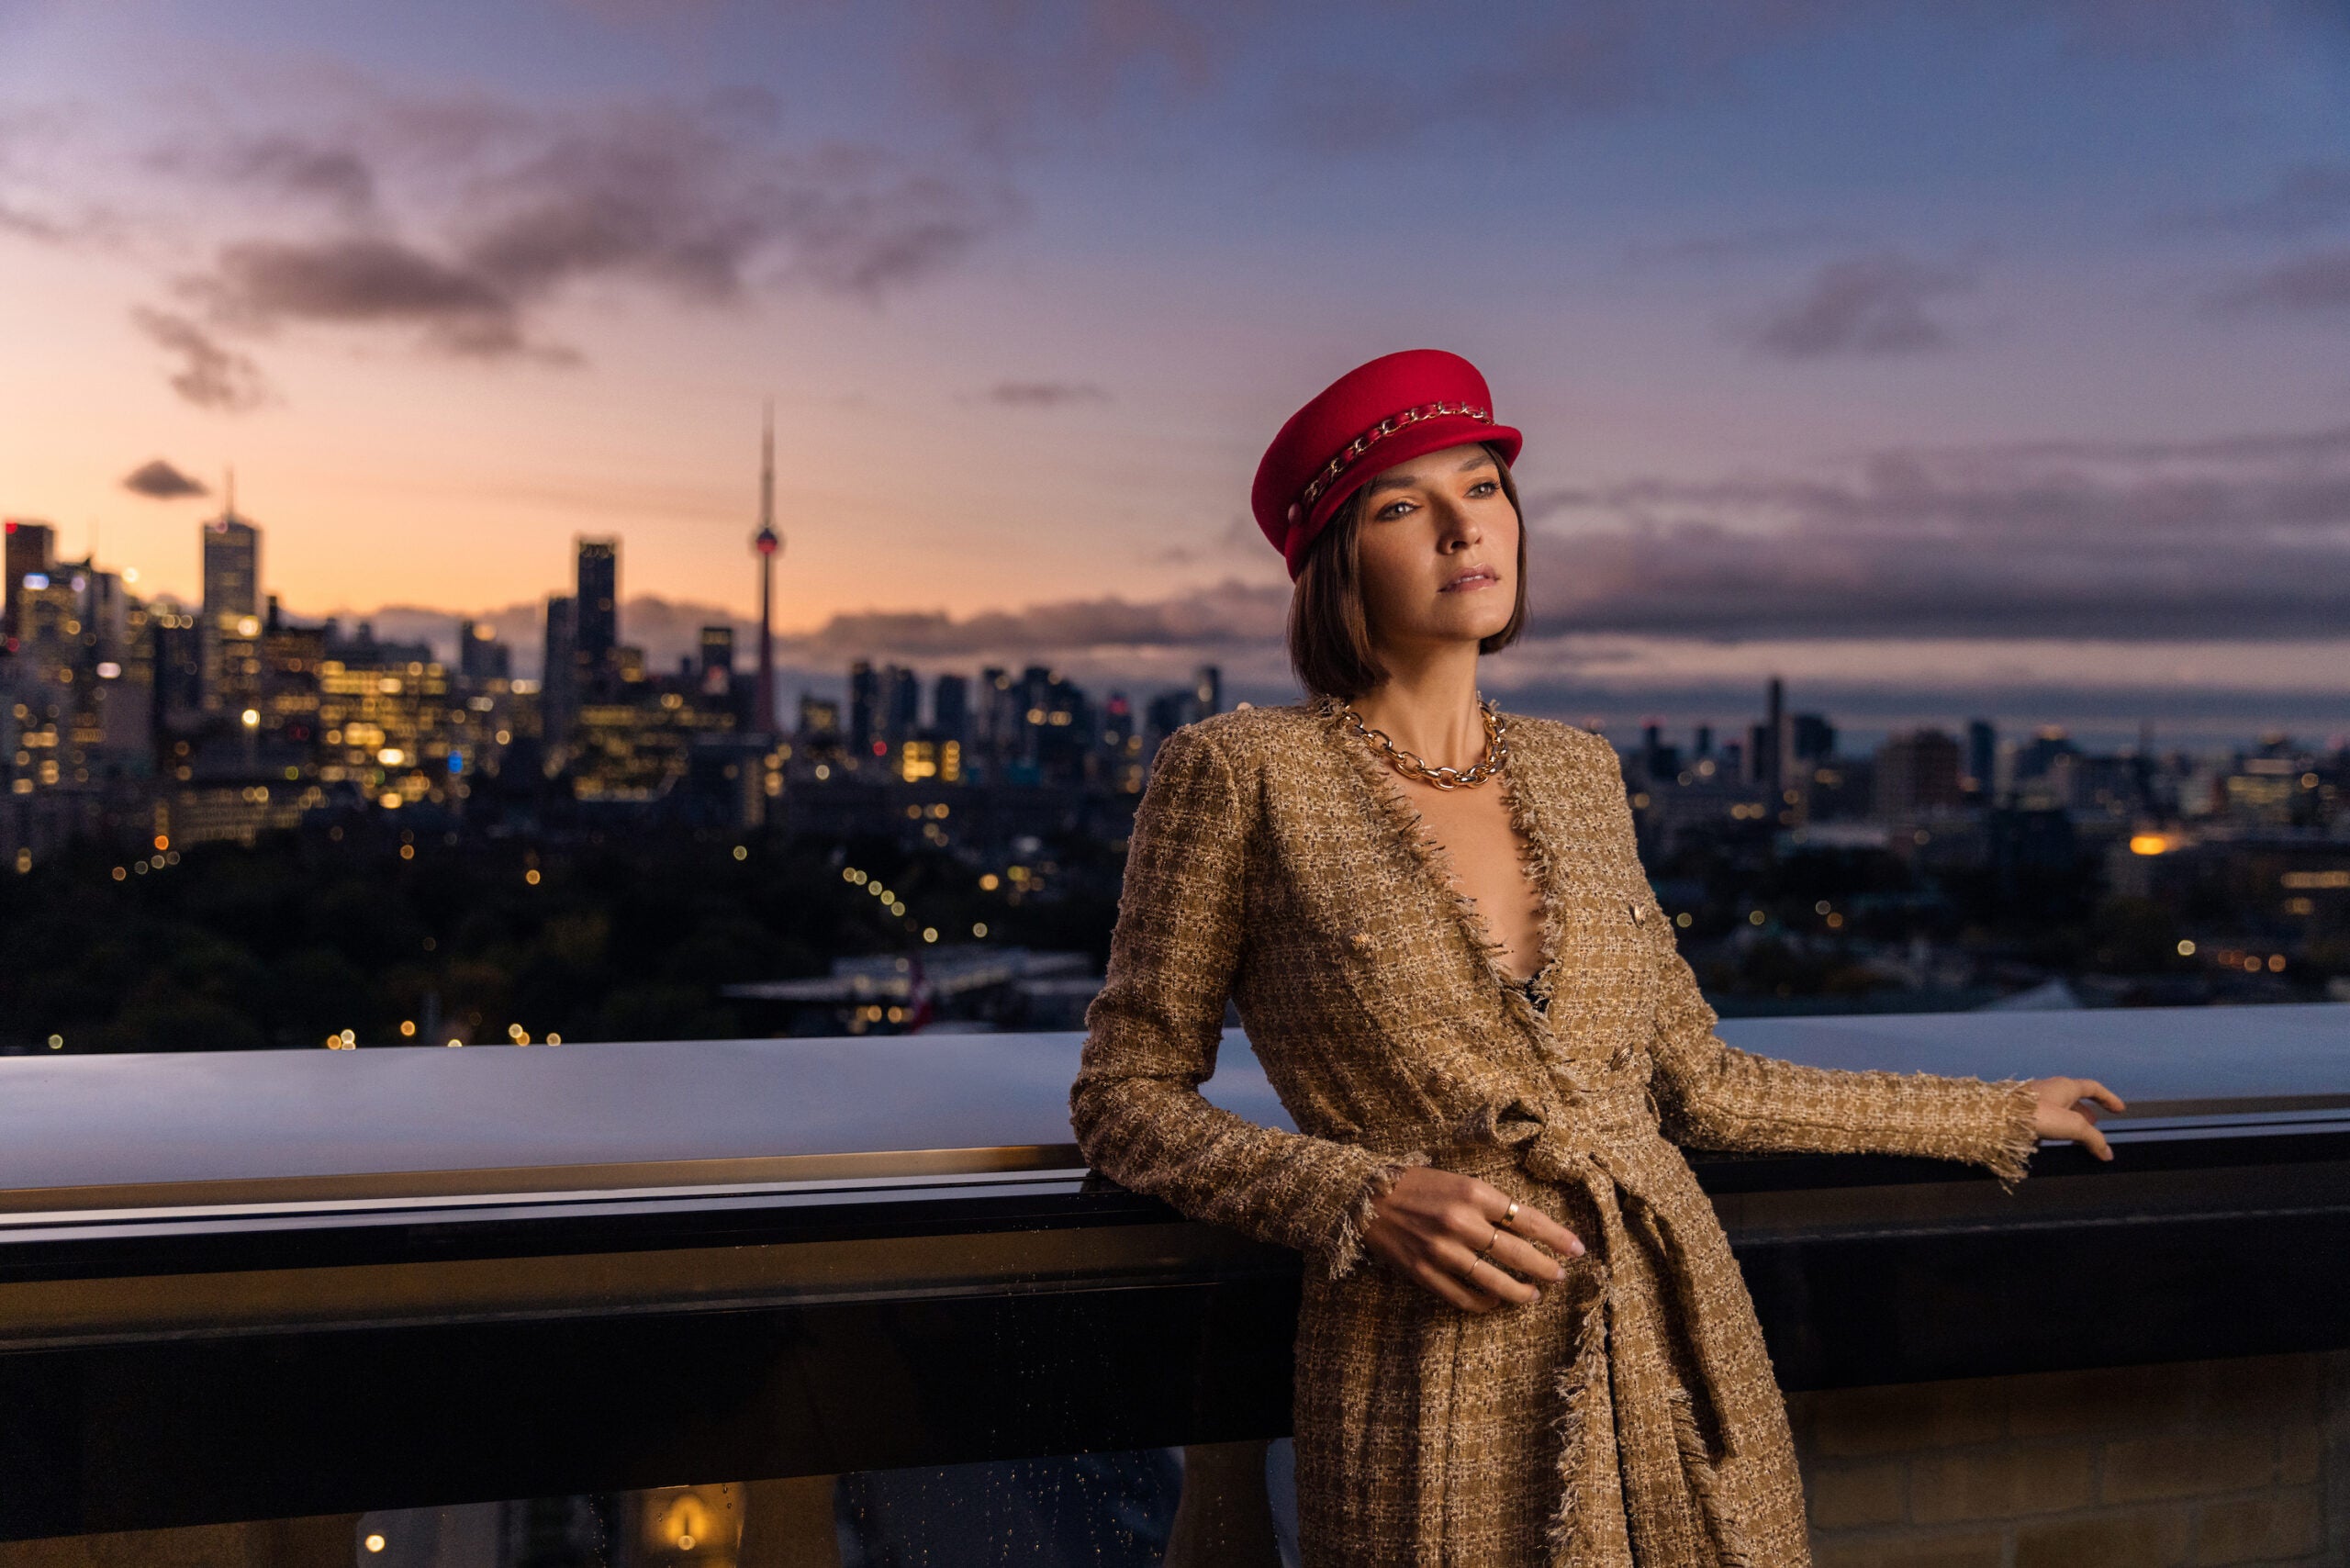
(2014, 1134)
(1345, 1248)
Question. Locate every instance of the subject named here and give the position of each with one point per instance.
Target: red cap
(1398, 406)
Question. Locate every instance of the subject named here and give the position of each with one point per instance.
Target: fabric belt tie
(1553, 1155)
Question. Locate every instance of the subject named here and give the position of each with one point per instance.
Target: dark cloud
(209, 376)
(1043, 394)
(261, 284)
(1599, 59)
(2302, 201)
(162, 481)
(1228, 614)
(2240, 540)
(1864, 304)
(697, 202)
(283, 164)
(2318, 281)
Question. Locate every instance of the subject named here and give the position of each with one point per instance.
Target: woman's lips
(1475, 578)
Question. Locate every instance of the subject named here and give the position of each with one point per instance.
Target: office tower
(901, 704)
(996, 720)
(1704, 747)
(31, 547)
(597, 627)
(480, 655)
(1207, 690)
(766, 544)
(1771, 743)
(231, 609)
(559, 674)
(179, 668)
(1653, 750)
(1917, 775)
(715, 672)
(863, 710)
(1812, 738)
(950, 708)
(1982, 754)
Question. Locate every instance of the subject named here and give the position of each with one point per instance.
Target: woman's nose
(1458, 527)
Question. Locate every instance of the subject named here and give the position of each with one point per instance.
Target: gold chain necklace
(1497, 756)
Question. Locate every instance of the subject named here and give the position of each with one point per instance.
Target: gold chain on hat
(1410, 765)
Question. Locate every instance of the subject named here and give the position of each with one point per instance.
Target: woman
(1524, 1339)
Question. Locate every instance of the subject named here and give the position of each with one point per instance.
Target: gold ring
(1509, 1213)
(1489, 1246)
(1470, 1272)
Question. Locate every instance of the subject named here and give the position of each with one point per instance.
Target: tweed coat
(1628, 1417)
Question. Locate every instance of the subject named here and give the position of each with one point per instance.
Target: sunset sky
(1945, 356)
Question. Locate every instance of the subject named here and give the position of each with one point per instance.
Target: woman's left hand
(2068, 1111)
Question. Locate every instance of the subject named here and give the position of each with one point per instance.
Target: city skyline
(1937, 359)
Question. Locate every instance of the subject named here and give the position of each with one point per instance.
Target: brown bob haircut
(1329, 631)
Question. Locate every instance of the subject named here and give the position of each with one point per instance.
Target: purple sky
(1944, 356)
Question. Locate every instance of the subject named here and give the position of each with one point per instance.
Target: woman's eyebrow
(1397, 482)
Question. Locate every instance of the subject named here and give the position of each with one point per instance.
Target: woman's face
(1437, 548)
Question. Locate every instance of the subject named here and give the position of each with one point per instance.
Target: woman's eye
(1393, 509)
(1484, 488)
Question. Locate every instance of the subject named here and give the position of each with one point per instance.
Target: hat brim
(1413, 441)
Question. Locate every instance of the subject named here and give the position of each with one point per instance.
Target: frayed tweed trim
(1569, 1532)
(1715, 1509)
(1346, 1247)
(1436, 864)
(2018, 1138)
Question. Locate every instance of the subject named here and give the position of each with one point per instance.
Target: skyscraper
(766, 544)
(480, 655)
(1917, 775)
(901, 704)
(559, 675)
(1982, 754)
(31, 547)
(597, 630)
(950, 708)
(715, 673)
(231, 608)
(863, 710)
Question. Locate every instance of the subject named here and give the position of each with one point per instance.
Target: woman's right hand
(1432, 1226)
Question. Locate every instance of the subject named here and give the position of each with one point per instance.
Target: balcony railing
(268, 1284)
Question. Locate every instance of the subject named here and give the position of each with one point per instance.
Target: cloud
(209, 376)
(2246, 539)
(2302, 201)
(2317, 282)
(162, 481)
(261, 284)
(1230, 613)
(1043, 394)
(506, 209)
(1872, 305)
(283, 164)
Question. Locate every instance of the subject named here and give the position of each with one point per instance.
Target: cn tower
(766, 544)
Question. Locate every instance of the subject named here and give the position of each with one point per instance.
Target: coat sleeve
(1152, 1035)
(1712, 1095)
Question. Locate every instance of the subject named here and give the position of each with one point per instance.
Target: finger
(1535, 1226)
(1525, 1259)
(1488, 1277)
(2093, 1140)
(2102, 1095)
(1449, 1287)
